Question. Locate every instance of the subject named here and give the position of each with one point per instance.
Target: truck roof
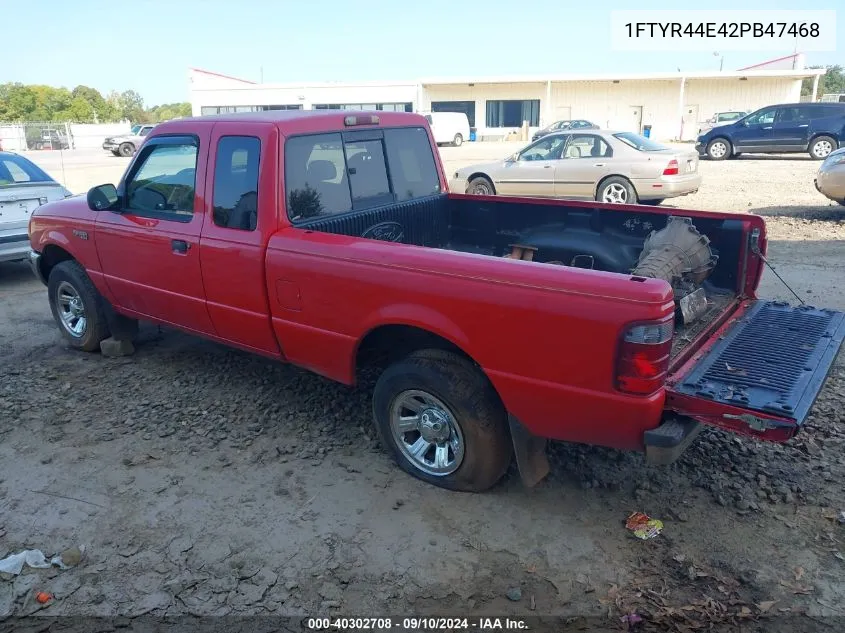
(299, 119)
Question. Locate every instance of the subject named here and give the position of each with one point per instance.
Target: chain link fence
(31, 136)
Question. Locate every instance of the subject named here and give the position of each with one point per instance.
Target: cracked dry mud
(207, 481)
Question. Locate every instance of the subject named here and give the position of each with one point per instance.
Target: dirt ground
(206, 481)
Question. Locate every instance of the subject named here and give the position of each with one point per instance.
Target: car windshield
(15, 170)
(639, 143)
(136, 129)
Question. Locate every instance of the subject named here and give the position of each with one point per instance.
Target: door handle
(805, 125)
(599, 165)
(547, 166)
(768, 128)
(179, 246)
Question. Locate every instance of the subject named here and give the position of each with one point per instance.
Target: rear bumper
(35, 264)
(665, 444)
(14, 247)
(666, 188)
(831, 184)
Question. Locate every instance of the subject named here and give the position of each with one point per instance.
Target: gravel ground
(203, 480)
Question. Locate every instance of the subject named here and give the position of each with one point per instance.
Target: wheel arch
(817, 135)
(481, 174)
(608, 177)
(51, 255)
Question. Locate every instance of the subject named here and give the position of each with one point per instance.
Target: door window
(795, 114)
(763, 117)
(236, 182)
(547, 148)
(587, 146)
(163, 185)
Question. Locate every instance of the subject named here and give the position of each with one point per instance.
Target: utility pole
(262, 75)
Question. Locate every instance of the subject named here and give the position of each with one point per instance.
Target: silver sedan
(830, 179)
(618, 167)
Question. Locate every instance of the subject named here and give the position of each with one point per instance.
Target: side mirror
(102, 197)
(512, 158)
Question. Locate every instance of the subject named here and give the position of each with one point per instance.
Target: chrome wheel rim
(822, 149)
(481, 189)
(615, 193)
(71, 310)
(718, 149)
(427, 432)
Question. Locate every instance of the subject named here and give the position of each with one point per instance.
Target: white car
(23, 188)
(721, 118)
(830, 179)
(448, 127)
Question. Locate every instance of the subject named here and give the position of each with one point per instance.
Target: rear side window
(327, 175)
(236, 182)
(16, 169)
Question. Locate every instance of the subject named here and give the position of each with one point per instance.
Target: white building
(673, 104)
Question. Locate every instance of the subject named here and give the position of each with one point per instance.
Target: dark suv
(817, 128)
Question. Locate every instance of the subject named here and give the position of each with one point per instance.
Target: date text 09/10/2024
(414, 624)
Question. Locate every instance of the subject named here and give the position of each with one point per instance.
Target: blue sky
(148, 45)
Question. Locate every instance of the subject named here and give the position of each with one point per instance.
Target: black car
(816, 128)
(559, 126)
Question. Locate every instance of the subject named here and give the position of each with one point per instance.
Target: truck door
(761, 372)
(149, 248)
(240, 213)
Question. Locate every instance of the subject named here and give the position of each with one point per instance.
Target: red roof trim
(208, 72)
(771, 61)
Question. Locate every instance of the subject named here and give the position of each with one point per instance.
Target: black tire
(458, 140)
(652, 203)
(70, 274)
(719, 149)
(126, 149)
(822, 146)
(116, 152)
(469, 397)
(618, 188)
(481, 186)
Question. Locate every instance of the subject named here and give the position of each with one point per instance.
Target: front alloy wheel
(71, 310)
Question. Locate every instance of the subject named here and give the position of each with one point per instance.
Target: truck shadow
(14, 274)
(830, 213)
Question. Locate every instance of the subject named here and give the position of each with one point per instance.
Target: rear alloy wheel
(126, 149)
(821, 147)
(616, 190)
(718, 149)
(458, 141)
(481, 186)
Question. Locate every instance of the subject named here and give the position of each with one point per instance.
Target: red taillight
(351, 121)
(671, 169)
(644, 354)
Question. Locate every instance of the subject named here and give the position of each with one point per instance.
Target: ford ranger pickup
(329, 239)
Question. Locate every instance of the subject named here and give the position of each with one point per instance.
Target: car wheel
(617, 190)
(126, 149)
(822, 146)
(77, 306)
(442, 421)
(458, 141)
(718, 149)
(481, 186)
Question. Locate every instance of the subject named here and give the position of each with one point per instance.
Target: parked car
(618, 167)
(49, 139)
(496, 323)
(830, 179)
(448, 127)
(127, 144)
(721, 118)
(560, 126)
(817, 128)
(24, 187)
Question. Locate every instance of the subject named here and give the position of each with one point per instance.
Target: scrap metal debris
(643, 526)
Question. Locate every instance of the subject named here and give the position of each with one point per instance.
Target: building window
(466, 107)
(386, 107)
(511, 113)
(206, 110)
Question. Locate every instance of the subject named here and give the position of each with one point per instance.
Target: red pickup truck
(329, 240)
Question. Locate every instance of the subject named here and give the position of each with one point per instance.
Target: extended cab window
(325, 174)
(163, 185)
(236, 182)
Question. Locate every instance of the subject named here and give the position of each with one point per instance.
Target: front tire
(821, 147)
(481, 186)
(77, 306)
(616, 190)
(458, 140)
(126, 149)
(442, 421)
(718, 149)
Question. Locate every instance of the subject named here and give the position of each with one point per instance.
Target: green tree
(16, 101)
(832, 82)
(132, 106)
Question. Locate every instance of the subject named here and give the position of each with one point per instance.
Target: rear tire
(460, 439)
(77, 306)
(718, 149)
(481, 186)
(821, 147)
(126, 149)
(616, 190)
(458, 140)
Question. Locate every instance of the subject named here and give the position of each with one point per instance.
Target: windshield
(16, 169)
(136, 129)
(639, 143)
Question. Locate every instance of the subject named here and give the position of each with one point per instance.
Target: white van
(448, 127)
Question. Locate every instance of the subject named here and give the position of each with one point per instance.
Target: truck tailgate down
(763, 372)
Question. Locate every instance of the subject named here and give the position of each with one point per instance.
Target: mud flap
(530, 452)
